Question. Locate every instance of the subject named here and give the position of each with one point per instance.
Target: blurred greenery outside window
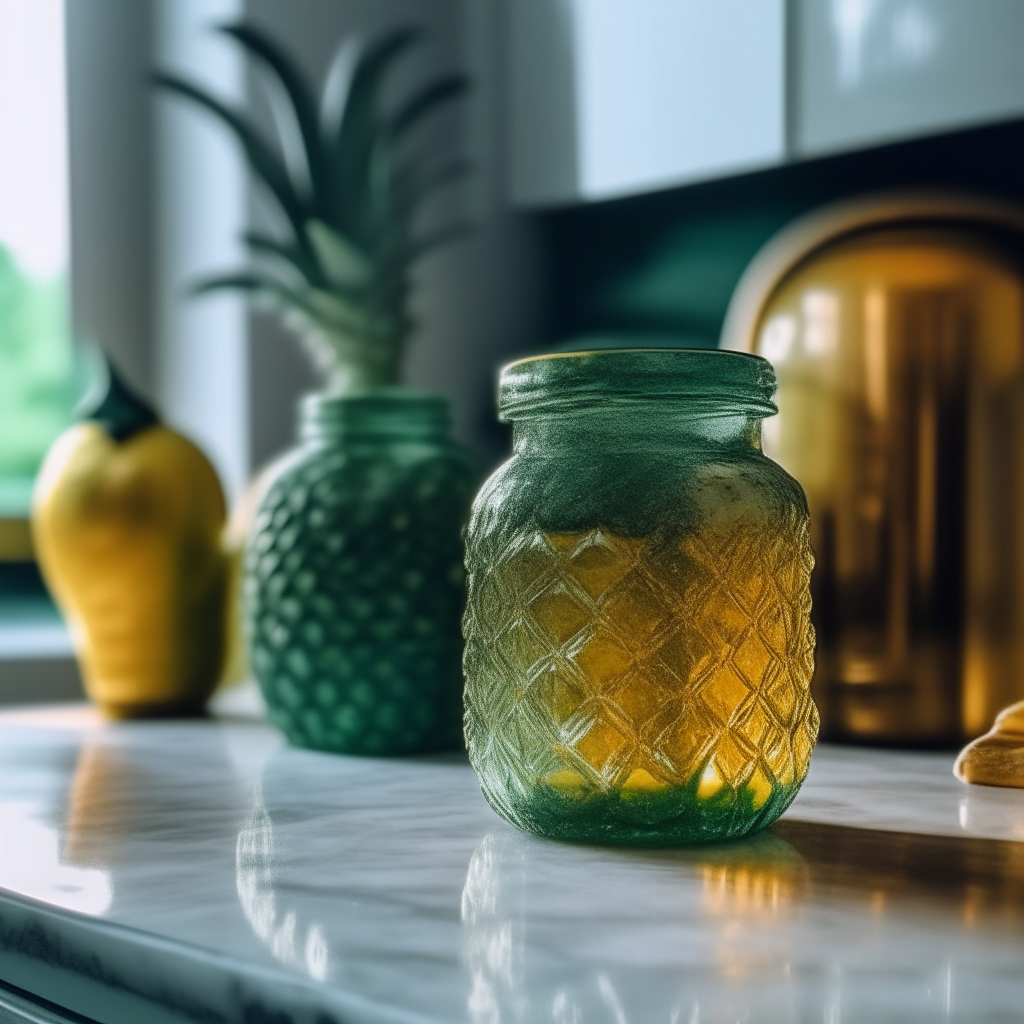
(39, 373)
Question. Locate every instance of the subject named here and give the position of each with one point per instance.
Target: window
(37, 365)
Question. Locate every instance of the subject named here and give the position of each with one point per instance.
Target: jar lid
(734, 381)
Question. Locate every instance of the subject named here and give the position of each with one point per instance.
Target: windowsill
(37, 662)
(31, 628)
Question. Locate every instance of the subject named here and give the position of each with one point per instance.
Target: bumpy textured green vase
(354, 581)
(638, 640)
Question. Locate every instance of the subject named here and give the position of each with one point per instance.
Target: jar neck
(386, 414)
(636, 429)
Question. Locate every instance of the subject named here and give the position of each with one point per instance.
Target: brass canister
(898, 341)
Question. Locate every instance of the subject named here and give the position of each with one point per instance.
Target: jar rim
(711, 380)
(383, 411)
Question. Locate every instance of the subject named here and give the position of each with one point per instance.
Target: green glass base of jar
(413, 710)
(353, 578)
(675, 816)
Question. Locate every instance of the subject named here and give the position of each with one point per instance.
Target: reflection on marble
(986, 812)
(32, 860)
(205, 872)
(305, 947)
(807, 922)
(33, 865)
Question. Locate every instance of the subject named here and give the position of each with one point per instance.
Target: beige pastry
(997, 758)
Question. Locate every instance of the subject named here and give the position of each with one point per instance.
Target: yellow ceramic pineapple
(127, 517)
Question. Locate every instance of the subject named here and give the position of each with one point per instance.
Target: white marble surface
(202, 871)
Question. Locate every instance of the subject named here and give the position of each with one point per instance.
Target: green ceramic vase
(638, 640)
(353, 577)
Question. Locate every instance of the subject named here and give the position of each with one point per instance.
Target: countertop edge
(109, 972)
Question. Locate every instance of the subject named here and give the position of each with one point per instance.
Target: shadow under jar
(638, 640)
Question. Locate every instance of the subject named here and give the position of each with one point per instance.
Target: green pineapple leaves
(351, 183)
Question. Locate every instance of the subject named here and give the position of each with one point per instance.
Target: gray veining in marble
(203, 871)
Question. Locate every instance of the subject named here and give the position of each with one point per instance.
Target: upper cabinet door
(614, 97)
(873, 71)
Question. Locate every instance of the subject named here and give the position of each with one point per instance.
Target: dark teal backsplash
(660, 268)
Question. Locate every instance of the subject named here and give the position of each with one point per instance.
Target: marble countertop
(164, 872)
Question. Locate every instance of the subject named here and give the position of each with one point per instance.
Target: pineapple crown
(351, 183)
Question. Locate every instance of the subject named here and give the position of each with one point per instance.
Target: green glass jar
(638, 640)
(353, 577)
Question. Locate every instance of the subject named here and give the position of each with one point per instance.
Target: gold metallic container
(896, 327)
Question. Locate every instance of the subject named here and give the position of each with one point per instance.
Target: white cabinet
(873, 71)
(616, 97)
(611, 97)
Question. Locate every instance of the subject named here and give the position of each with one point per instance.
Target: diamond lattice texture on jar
(354, 588)
(668, 676)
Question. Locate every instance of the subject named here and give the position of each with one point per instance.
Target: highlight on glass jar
(638, 641)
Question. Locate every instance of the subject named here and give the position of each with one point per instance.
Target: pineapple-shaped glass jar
(353, 576)
(638, 640)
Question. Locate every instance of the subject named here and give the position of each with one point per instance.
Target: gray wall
(201, 356)
(109, 114)
(158, 197)
(476, 300)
